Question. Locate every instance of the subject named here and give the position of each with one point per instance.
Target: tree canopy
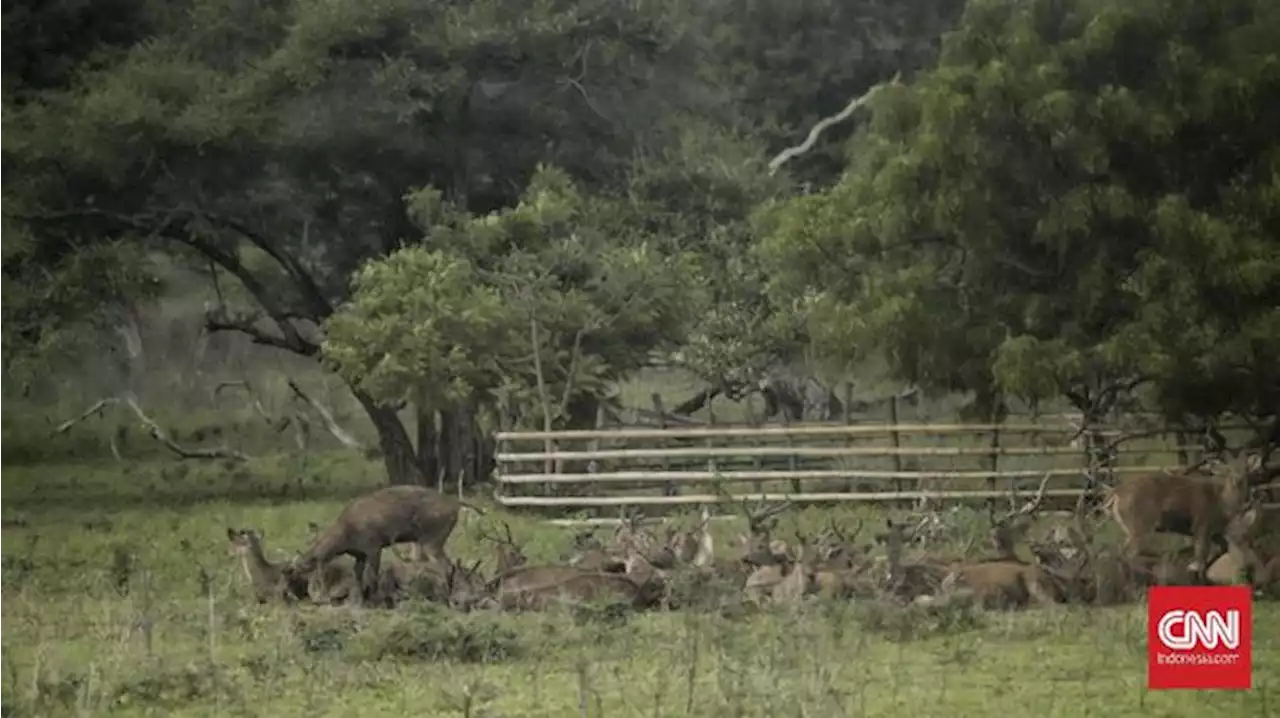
(492, 210)
(1080, 194)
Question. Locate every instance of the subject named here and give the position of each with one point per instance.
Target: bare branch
(157, 433)
(97, 408)
(253, 396)
(326, 417)
(817, 130)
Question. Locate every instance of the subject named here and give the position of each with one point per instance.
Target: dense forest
(491, 211)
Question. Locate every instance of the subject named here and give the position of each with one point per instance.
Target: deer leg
(1202, 555)
(362, 561)
(437, 554)
(372, 574)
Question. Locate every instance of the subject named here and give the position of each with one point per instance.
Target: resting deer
(395, 514)
(1243, 562)
(267, 578)
(1189, 504)
(509, 555)
(1005, 580)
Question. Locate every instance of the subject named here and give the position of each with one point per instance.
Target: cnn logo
(1181, 630)
(1199, 637)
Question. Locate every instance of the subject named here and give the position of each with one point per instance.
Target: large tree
(1082, 195)
(277, 141)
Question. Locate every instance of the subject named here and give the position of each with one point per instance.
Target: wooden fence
(609, 469)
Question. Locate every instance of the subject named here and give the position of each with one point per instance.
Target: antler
(756, 518)
(1031, 507)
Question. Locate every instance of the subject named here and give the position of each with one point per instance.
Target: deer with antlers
(1002, 581)
(509, 555)
(1190, 503)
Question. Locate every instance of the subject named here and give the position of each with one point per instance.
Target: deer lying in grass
(1188, 503)
(267, 578)
(536, 587)
(509, 555)
(396, 514)
(1002, 581)
(1243, 562)
(1103, 576)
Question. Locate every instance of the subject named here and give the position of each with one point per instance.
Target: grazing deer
(1185, 503)
(395, 514)
(267, 578)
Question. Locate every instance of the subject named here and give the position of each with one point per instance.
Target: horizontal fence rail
(611, 469)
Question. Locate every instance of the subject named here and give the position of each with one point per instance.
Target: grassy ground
(119, 598)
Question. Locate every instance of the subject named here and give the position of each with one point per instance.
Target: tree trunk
(428, 450)
(448, 445)
(393, 440)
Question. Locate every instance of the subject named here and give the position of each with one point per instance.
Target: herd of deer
(1214, 504)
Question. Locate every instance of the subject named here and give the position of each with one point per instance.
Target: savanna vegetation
(262, 258)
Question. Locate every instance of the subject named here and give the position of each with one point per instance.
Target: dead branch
(817, 130)
(97, 408)
(253, 397)
(326, 417)
(157, 433)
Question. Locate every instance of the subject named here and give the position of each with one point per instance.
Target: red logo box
(1200, 637)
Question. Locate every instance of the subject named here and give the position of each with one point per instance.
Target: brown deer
(1005, 580)
(1243, 562)
(267, 578)
(1191, 504)
(906, 582)
(536, 587)
(509, 555)
(396, 514)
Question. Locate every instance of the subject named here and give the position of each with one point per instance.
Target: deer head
(509, 555)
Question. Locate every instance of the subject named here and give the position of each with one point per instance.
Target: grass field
(119, 598)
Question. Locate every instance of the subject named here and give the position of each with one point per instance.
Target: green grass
(99, 557)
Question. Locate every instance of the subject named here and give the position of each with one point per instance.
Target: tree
(783, 66)
(534, 306)
(277, 142)
(1081, 196)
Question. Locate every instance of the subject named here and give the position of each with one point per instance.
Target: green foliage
(1080, 192)
(458, 316)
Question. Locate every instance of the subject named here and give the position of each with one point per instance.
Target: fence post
(758, 461)
(792, 462)
(993, 464)
(668, 488)
(1180, 436)
(896, 441)
(846, 413)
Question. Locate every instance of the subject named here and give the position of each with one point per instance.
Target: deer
(391, 515)
(1243, 562)
(509, 554)
(533, 587)
(906, 582)
(1105, 578)
(1005, 580)
(267, 578)
(1186, 503)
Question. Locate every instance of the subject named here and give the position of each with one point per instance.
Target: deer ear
(1253, 463)
(231, 534)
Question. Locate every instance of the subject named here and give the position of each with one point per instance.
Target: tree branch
(157, 433)
(326, 417)
(817, 130)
